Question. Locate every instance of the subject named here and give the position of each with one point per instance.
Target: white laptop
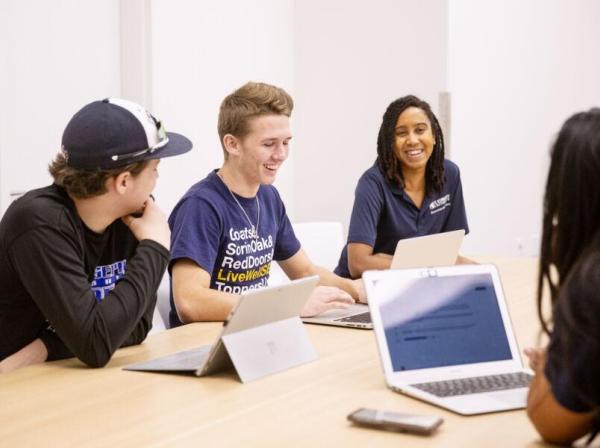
(263, 335)
(439, 249)
(444, 336)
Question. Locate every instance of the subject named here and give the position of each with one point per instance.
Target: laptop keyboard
(364, 318)
(475, 385)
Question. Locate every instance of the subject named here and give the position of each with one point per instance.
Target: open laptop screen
(442, 321)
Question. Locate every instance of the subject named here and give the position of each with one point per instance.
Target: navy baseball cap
(115, 132)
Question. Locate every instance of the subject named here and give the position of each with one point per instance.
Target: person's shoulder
(269, 191)
(372, 180)
(47, 207)
(39, 206)
(203, 188)
(451, 168)
(372, 176)
(373, 172)
(204, 191)
(270, 196)
(451, 173)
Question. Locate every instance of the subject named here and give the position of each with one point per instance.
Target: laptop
(262, 335)
(355, 316)
(444, 336)
(439, 249)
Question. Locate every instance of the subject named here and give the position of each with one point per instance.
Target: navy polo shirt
(383, 213)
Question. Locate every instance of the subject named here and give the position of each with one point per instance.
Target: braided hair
(387, 160)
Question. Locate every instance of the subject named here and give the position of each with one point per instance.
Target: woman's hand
(537, 358)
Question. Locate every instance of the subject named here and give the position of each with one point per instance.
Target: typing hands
(325, 298)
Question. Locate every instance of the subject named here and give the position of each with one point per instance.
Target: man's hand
(152, 225)
(359, 285)
(326, 298)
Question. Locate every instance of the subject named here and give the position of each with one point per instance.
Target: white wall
(351, 60)
(517, 69)
(56, 56)
(201, 52)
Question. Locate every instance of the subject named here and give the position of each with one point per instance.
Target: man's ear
(231, 144)
(120, 183)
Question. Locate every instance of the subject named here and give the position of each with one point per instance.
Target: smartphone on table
(396, 421)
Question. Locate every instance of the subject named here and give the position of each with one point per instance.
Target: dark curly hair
(386, 157)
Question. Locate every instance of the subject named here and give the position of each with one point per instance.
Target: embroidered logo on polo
(106, 277)
(439, 204)
(247, 262)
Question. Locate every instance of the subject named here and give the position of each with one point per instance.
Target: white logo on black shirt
(439, 204)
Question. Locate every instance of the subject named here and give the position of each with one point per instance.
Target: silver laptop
(262, 335)
(355, 316)
(444, 336)
(439, 249)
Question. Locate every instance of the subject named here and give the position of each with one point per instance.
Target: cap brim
(178, 144)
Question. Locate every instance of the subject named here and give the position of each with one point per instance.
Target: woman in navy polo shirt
(564, 397)
(410, 191)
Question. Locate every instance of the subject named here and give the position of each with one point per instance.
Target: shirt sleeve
(59, 285)
(457, 218)
(196, 233)
(366, 212)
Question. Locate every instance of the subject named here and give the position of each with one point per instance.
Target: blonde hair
(253, 99)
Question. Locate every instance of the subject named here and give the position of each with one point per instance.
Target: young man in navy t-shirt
(229, 227)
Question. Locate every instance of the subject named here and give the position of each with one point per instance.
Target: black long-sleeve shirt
(84, 294)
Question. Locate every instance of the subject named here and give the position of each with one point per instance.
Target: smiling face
(260, 154)
(414, 141)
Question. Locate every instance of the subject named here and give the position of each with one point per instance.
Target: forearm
(204, 304)
(552, 421)
(359, 264)
(33, 353)
(143, 327)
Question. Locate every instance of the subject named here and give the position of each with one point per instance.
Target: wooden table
(66, 404)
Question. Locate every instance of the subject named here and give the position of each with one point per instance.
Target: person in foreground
(564, 396)
(229, 227)
(81, 259)
(410, 191)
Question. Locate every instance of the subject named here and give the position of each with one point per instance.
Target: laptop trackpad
(517, 397)
(186, 361)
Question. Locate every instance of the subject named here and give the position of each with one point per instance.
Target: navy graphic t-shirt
(383, 213)
(210, 228)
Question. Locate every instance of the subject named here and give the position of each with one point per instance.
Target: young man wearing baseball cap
(229, 227)
(81, 259)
